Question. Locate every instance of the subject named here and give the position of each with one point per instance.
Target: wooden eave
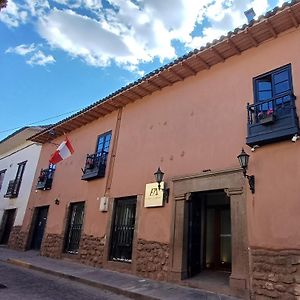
(241, 39)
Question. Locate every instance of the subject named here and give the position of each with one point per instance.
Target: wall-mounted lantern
(244, 160)
(56, 201)
(159, 175)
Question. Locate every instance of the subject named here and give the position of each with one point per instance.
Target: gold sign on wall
(154, 196)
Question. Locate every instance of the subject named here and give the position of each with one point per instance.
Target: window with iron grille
(14, 185)
(273, 116)
(95, 164)
(123, 229)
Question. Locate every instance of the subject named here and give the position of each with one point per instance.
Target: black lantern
(159, 175)
(244, 160)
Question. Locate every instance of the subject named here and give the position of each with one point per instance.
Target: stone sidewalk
(120, 283)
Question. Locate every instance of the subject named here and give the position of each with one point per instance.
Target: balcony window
(273, 115)
(95, 164)
(45, 178)
(14, 185)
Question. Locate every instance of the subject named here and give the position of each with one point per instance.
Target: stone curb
(96, 284)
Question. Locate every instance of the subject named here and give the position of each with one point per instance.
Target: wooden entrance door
(39, 228)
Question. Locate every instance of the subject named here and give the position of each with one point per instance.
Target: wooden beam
(251, 38)
(88, 117)
(271, 28)
(293, 18)
(135, 93)
(217, 54)
(101, 110)
(165, 79)
(127, 98)
(110, 106)
(179, 77)
(144, 89)
(154, 84)
(122, 99)
(233, 46)
(93, 112)
(78, 121)
(107, 107)
(186, 66)
(65, 128)
(114, 102)
(203, 62)
(69, 125)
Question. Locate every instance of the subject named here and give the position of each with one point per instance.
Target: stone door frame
(233, 183)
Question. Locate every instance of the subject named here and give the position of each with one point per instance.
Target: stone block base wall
(52, 245)
(152, 259)
(17, 239)
(91, 250)
(275, 274)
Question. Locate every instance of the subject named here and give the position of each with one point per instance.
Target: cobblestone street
(18, 283)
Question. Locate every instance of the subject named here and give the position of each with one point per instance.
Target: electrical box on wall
(103, 204)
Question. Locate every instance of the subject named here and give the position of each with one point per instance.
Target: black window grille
(95, 163)
(14, 185)
(123, 230)
(75, 223)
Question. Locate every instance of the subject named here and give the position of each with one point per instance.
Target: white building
(18, 162)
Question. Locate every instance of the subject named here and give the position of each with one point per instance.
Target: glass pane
(264, 85)
(264, 95)
(103, 143)
(281, 76)
(282, 87)
(225, 237)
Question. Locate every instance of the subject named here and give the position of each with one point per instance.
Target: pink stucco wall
(196, 124)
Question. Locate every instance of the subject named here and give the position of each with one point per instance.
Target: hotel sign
(154, 196)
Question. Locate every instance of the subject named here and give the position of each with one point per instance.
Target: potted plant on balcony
(266, 117)
(89, 163)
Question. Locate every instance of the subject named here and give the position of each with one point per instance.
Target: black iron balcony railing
(13, 189)
(45, 179)
(272, 120)
(95, 166)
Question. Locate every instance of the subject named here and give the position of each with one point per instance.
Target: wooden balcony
(272, 120)
(45, 179)
(13, 189)
(95, 166)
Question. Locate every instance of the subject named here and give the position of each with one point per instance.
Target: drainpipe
(113, 154)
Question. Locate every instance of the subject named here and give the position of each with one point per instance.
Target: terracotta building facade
(191, 118)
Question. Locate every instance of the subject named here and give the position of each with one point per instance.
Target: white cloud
(33, 54)
(88, 4)
(21, 49)
(130, 32)
(37, 7)
(224, 16)
(40, 59)
(12, 15)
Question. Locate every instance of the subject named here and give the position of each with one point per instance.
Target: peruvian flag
(63, 151)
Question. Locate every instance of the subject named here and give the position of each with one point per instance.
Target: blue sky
(59, 56)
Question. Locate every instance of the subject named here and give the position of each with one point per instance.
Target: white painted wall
(29, 152)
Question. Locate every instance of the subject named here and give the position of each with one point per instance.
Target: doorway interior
(7, 223)
(209, 236)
